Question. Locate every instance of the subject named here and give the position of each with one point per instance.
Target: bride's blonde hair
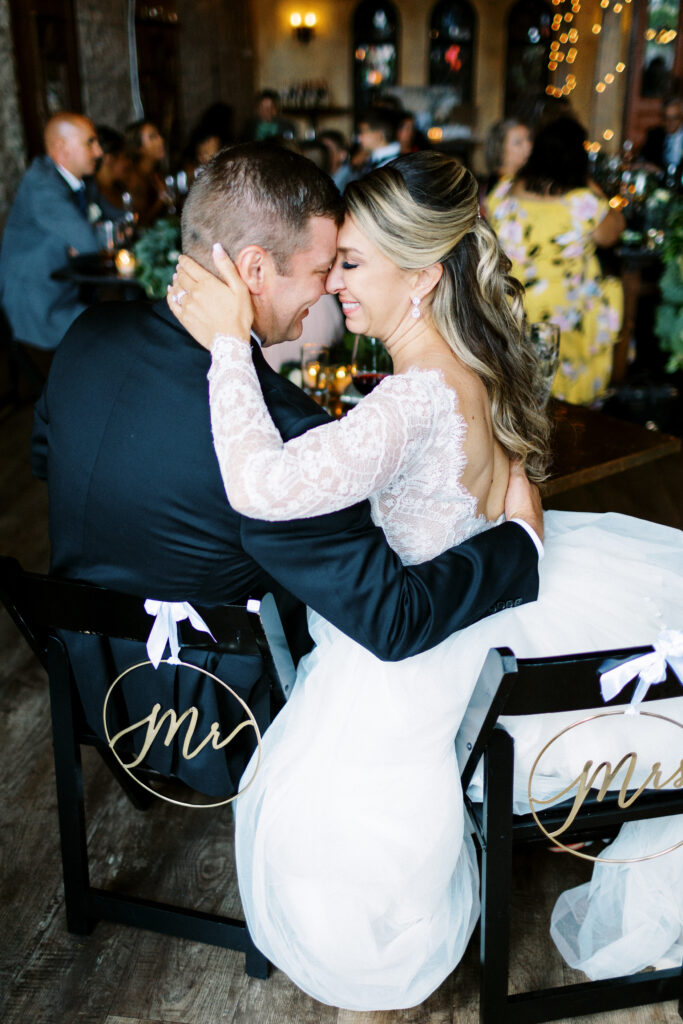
(423, 209)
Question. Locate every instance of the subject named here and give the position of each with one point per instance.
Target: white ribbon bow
(651, 668)
(165, 629)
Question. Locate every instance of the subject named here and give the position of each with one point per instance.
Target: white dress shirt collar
(385, 153)
(74, 183)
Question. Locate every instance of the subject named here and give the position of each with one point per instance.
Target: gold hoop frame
(556, 842)
(168, 799)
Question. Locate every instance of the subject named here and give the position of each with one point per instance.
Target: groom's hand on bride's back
(523, 500)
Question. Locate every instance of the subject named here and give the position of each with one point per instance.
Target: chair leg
(256, 965)
(496, 879)
(69, 781)
(139, 797)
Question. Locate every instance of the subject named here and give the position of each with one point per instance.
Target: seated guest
(212, 132)
(408, 135)
(663, 146)
(377, 130)
(340, 164)
(316, 151)
(201, 146)
(112, 173)
(49, 221)
(549, 223)
(147, 152)
(266, 124)
(507, 148)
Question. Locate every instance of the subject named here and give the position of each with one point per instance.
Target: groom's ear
(253, 264)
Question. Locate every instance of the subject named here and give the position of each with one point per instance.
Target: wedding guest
(377, 129)
(409, 137)
(112, 172)
(663, 146)
(267, 124)
(549, 222)
(507, 149)
(147, 152)
(212, 132)
(48, 221)
(317, 151)
(340, 165)
(123, 435)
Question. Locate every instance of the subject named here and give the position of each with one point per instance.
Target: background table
(97, 278)
(588, 445)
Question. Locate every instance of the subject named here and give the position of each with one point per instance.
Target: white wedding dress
(357, 875)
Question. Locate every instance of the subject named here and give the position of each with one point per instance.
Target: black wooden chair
(42, 607)
(508, 686)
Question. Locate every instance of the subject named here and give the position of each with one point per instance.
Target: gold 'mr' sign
(156, 721)
(588, 779)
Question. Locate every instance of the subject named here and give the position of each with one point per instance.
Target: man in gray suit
(48, 221)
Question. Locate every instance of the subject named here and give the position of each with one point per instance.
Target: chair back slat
(45, 604)
(572, 683)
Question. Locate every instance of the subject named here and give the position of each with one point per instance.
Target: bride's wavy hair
(423, 209)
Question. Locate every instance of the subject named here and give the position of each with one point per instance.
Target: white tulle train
(357, 876)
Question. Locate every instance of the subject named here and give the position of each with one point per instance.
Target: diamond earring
(415, 311)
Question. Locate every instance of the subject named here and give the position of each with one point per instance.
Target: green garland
(156, 254)
(669, 316)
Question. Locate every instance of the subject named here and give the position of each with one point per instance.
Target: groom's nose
(333, 282)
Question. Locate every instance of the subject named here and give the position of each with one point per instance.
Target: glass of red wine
(370, 363)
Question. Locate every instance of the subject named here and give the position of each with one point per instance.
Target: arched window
(529, 38)
(375, 44)
(451, 47)
(660, 48)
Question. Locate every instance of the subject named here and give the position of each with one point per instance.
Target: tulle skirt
(356, 871)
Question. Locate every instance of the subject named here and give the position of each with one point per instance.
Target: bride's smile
(375, 293)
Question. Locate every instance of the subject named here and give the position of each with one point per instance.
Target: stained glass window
(375, 59)
(659, 51)
(529, 38)
(451, 47)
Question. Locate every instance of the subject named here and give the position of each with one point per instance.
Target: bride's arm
(326, 469)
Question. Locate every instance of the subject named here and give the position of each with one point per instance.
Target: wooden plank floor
(119, 975)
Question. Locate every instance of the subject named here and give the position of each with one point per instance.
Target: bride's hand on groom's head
(208, 306)
(523, 499)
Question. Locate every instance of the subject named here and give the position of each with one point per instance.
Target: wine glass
(370, 363)
(314, 359)
(545, 340)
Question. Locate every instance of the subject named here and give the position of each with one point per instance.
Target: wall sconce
(303, 26)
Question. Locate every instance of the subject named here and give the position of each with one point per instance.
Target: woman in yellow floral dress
(549, 222)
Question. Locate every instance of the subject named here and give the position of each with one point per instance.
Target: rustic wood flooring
(119, 975)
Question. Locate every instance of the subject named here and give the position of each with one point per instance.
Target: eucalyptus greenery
(669, 317)
(156, 254)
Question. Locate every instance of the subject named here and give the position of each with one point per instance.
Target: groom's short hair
(256, 194)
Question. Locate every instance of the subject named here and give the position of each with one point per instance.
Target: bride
(356, 873)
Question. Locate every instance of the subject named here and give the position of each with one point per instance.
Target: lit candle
(125, 263)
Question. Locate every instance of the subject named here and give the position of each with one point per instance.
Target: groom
(123, 435)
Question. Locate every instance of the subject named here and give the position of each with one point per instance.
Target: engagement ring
(178, 297)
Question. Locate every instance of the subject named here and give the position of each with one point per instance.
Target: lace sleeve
(328, 468)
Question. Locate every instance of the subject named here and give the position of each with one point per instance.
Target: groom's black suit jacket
(123, 435)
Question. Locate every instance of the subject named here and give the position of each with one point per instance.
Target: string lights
(567, 36)
(564, 51)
